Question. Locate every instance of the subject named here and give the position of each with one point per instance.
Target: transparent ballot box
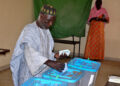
(71, 76)
(90, 68)
(43, 82)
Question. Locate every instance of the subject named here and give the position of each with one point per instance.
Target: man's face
(47, 20)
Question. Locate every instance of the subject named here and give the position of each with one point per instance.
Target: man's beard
(42, 25)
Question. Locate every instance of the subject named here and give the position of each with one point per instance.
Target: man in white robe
(33, 52)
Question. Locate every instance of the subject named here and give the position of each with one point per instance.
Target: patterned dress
(95, 41)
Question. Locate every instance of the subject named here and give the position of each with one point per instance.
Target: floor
(107, 68)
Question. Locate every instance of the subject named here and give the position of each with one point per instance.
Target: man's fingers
(60, 67)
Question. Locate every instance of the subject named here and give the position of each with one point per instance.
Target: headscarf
(96, 13)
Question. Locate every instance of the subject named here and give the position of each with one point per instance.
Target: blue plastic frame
(70, 76)
(34, 81)
(84, 64)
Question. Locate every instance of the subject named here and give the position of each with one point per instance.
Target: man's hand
(55, 65)
(57, 55)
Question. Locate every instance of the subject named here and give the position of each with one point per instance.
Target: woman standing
(95, 40)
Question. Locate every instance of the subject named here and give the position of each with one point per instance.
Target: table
(4, 51)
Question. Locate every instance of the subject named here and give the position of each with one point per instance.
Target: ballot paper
(91, 80)
(67, 52)
(65, 68)
(114, 79)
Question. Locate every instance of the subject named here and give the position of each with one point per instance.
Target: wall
(112, 32)
(14, 15)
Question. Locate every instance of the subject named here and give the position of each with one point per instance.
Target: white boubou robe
(33, 48)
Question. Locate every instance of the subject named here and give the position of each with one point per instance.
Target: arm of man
(55, 65)
(34, 59)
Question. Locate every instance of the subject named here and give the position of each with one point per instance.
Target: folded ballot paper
(67, 52)
(65, 68)
(114, 79)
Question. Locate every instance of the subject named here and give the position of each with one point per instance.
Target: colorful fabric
(48, 9)
(96, 13)
(95, 41)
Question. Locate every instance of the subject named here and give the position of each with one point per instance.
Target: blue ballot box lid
(84, 64)
(70, 76)
(34, 81)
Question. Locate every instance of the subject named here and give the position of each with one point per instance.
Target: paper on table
(114, 79)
